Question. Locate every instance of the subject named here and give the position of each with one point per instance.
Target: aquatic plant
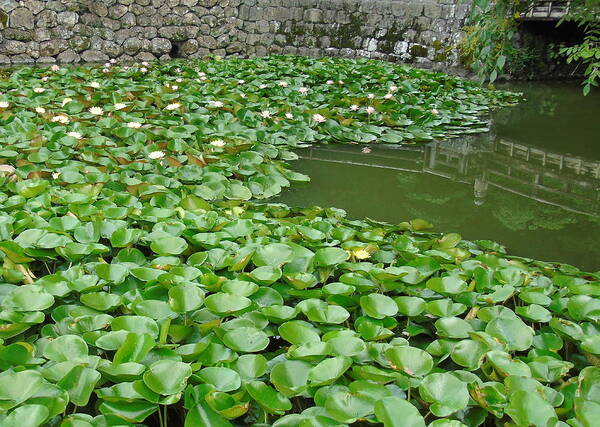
(141, 285)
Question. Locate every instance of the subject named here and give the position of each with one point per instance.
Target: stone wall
(423, 32)
(97, 30)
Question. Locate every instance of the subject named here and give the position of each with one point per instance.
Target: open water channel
(532, 183)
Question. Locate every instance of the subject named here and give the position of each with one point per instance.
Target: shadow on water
(531, 184)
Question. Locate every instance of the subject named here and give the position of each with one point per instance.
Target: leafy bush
(141, 284)
(489, 43)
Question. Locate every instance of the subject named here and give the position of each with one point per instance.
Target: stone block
(111, 48)
(22, 59)
(208, 42)
(98, 8)
(21, 18)
(128, 20)
(313, 15)
(45, 60)
(46, 19)
(190, 19)
(15, 34)
(116, 12)
(52, 47)
(189, 47)
(67, 18)
(161, 45)
(80, 43)
(94, 56)
(7, 6)
(41, 34)
(145, 56)
(68, 56)
(14, 47)
(132, 45)
(112, 24)
(90, 19)
(432, 10)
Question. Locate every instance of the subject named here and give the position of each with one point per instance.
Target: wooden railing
(546, 11)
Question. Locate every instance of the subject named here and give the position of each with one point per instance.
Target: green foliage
(489, 47)
(488, 42)
(142, 286)
(588, 54)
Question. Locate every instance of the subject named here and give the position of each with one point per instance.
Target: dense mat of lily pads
(141, 285)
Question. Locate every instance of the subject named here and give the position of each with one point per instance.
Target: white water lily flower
(179, 80)
(105, 70)
(393, 88)
(39, 90)
(143, 69)
(55, 67)
(217, 104)
(145, 63)
(366, 150)
(55, 175)
(97, 111)
(289, 115)
(283, 84)
(61, 119)
(341, 82)
(263, 86)
(201, 74)
(75, 135)
(435, 112)
(265, 114)
(361, 253)
(119, 106)
(242, 95)
(353, 107)
(95, 85)
(303, 90)
(177, 70)
(40, 110)
(45, 78)
(370, 95)
(318, 118)
(241, 81)
(113, 60)
(66, 101)
(370, 110)
(217, 143)
(388, 96)
(173, 106)
(4, 104)
(174, 87)
(107, 64)
(155, 155)
(7, 168)
(134, 125)
(329, 82)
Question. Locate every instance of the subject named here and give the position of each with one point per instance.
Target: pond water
(532, 183)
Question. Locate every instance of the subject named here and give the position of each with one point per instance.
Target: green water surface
(532, 183)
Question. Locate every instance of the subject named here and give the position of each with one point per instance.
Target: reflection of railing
(569, 182)
(561, 162)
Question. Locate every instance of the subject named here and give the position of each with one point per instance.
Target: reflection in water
(524, 192)
(565, 181)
